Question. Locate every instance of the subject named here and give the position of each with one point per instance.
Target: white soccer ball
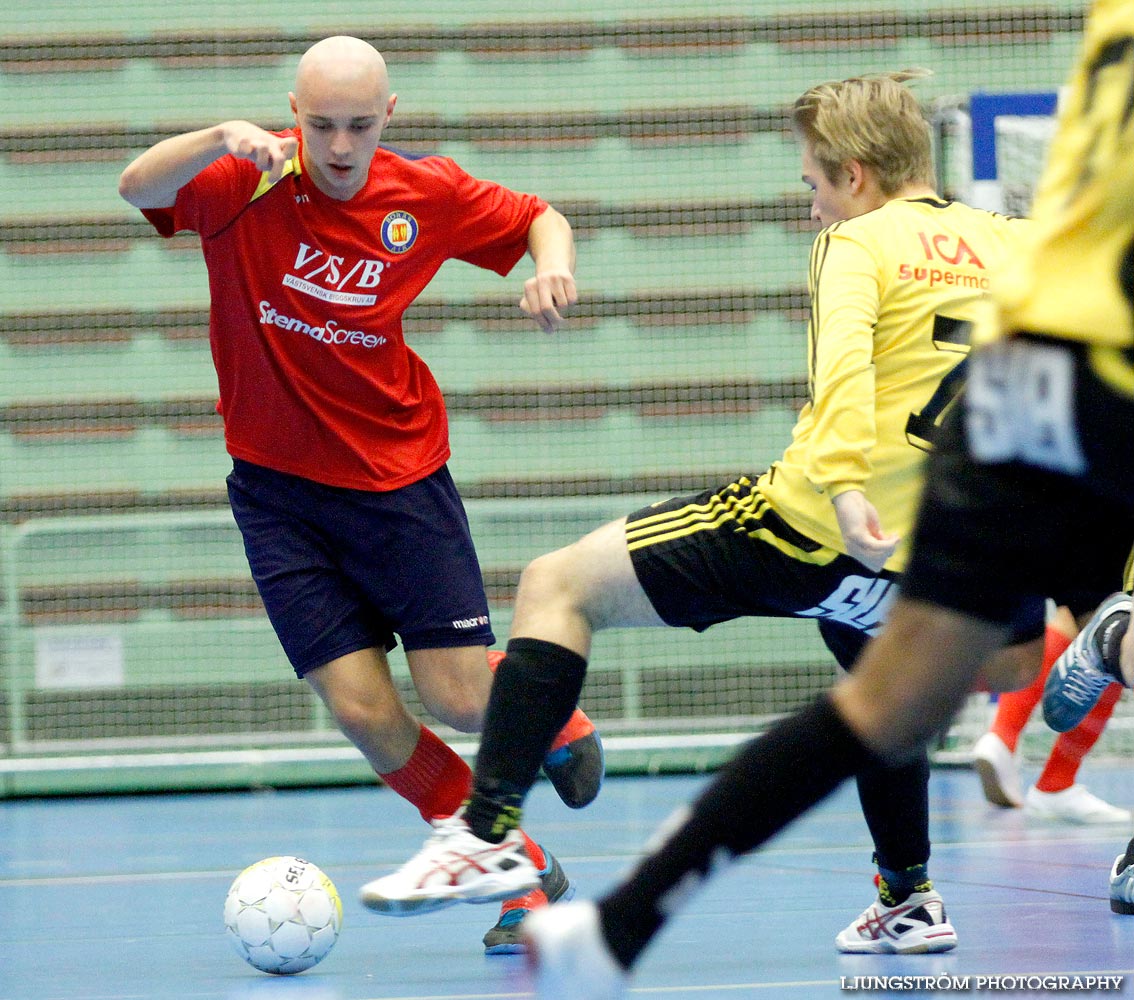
(283, 915)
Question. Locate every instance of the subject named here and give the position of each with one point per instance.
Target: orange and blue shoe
(575, 764)
(506, 937)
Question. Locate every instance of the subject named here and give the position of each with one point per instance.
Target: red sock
(577, 726)
(1014, 708)
(437, 781)
(1071, 747)
(434, 779)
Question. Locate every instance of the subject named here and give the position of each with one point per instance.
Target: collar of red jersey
(293, 166)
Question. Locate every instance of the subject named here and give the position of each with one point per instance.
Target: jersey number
(948, 335)
(1021, 406)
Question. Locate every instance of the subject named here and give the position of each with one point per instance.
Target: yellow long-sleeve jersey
(1075, 278)
(892, 293)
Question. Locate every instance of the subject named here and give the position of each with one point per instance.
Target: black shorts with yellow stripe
(725, 554)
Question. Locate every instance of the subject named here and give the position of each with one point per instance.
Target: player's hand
(862, 532)
(547, 296)
(270, 153)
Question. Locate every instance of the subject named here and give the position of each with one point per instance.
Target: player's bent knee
(453, 684)
(549, 580)
(465, 718)
(457, 706)
(359, 718)
(894, 730)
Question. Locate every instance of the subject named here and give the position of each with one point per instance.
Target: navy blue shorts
(341, 570)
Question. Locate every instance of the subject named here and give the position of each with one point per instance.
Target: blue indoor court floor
(108, 898)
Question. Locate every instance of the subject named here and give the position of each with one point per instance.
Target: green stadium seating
(659, 129)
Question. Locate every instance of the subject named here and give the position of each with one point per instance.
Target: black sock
(896, 885)
(490, 817)
(771, 781)
(536, 688)
(1109, 639)
(895, 804)
(1128, 859)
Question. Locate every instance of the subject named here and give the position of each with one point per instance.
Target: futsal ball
(283, 915)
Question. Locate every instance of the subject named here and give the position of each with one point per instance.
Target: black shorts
(1030, 489)
(341, 570)
(725, 554)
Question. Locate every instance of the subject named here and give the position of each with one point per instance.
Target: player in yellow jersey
(1029, 492)
(895, 277)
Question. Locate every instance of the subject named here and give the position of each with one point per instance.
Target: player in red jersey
(316, 240)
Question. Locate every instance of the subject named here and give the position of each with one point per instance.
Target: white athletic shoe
(454, 866)
(568, 955)
(1121, 887)
(996, 767)
(1074, 805)
(917, 925)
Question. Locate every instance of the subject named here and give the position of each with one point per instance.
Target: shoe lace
(1082, 684)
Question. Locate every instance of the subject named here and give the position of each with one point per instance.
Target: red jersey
(307, 298)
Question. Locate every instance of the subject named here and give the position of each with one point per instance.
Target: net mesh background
(128, 620)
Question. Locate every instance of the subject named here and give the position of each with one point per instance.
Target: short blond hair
(873, 119)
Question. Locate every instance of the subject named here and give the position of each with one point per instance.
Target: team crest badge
(399, 232)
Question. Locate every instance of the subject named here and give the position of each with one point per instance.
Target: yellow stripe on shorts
(746, 511)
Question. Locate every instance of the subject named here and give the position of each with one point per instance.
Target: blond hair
(873, 119)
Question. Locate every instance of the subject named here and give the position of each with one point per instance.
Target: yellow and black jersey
(892, 294)
(1076, 276)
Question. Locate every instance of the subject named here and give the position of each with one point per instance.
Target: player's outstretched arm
(546, 295)
(155, 177)
(862, 530)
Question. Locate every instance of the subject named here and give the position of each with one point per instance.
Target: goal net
(992, 149)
